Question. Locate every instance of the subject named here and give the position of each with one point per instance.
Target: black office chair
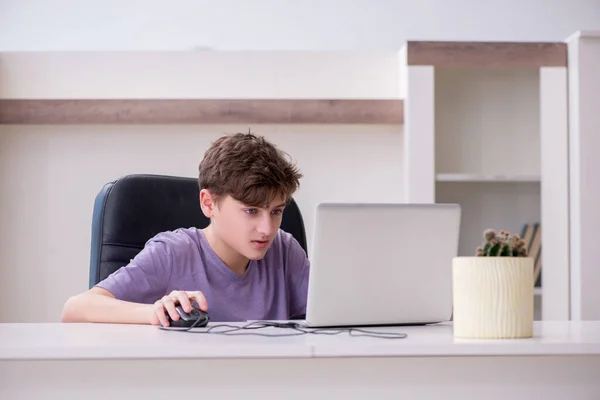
(132, 209)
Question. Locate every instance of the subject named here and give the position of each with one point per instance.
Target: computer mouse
(195, 318)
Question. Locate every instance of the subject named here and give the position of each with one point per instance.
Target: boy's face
(247, 230)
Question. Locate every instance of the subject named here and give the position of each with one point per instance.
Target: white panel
(235, 74)
(554, 193)
(487, 178)
(345, 377)
(419, 134)
(575, 227)
(584, 145)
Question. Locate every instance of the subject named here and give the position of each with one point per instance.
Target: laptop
(382, 264)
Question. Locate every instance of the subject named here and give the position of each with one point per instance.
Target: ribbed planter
(493, 297)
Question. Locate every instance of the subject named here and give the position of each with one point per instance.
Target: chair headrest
(137, 207)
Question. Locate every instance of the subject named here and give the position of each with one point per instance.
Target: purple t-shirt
(274, 287)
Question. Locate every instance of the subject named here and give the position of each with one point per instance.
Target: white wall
(50, 175)
(282, 24)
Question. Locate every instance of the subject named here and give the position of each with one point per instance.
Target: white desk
(96, 361)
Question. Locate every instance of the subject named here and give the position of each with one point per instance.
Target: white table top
(31, 341)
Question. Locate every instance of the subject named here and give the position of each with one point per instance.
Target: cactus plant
(501, 244)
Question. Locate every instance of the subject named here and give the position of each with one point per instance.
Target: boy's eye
(253, 211)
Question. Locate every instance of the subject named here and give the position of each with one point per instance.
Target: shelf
(480, 117)
(502, 206)
(201, 111)
(487, 54)
(486, 178)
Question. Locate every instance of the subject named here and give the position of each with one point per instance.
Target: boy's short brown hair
(248, 168)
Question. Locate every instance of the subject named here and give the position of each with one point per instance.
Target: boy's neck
(232, 259)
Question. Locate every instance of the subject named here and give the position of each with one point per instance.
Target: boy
(241, 267)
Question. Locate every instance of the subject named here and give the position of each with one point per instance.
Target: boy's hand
(169, 302)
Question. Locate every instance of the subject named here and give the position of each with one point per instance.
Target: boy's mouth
(261, 244)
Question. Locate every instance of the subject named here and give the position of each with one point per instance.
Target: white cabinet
(489, 124)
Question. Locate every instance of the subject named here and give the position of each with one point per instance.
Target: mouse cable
(233, 330)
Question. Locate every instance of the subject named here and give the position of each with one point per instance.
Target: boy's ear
(207, 203)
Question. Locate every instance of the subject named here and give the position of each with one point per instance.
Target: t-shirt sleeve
(145, 278)
(298, 267)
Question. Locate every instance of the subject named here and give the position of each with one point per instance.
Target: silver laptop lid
(378, 264)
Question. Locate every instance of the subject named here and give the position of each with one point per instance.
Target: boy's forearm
(91, 307)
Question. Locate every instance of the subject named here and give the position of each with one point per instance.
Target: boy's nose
(265, 226)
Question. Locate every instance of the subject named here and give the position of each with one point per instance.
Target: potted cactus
(493, 290)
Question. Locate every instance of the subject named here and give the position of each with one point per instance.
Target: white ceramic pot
(493, 297)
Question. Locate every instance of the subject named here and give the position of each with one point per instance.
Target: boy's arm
(100, 305)
(126, 296)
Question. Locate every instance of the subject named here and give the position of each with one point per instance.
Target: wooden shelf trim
(487, 54)
(201, 111)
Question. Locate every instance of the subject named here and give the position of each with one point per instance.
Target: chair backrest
(132, 209)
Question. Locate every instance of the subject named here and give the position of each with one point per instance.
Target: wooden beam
(195, 111)
(487, 54)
